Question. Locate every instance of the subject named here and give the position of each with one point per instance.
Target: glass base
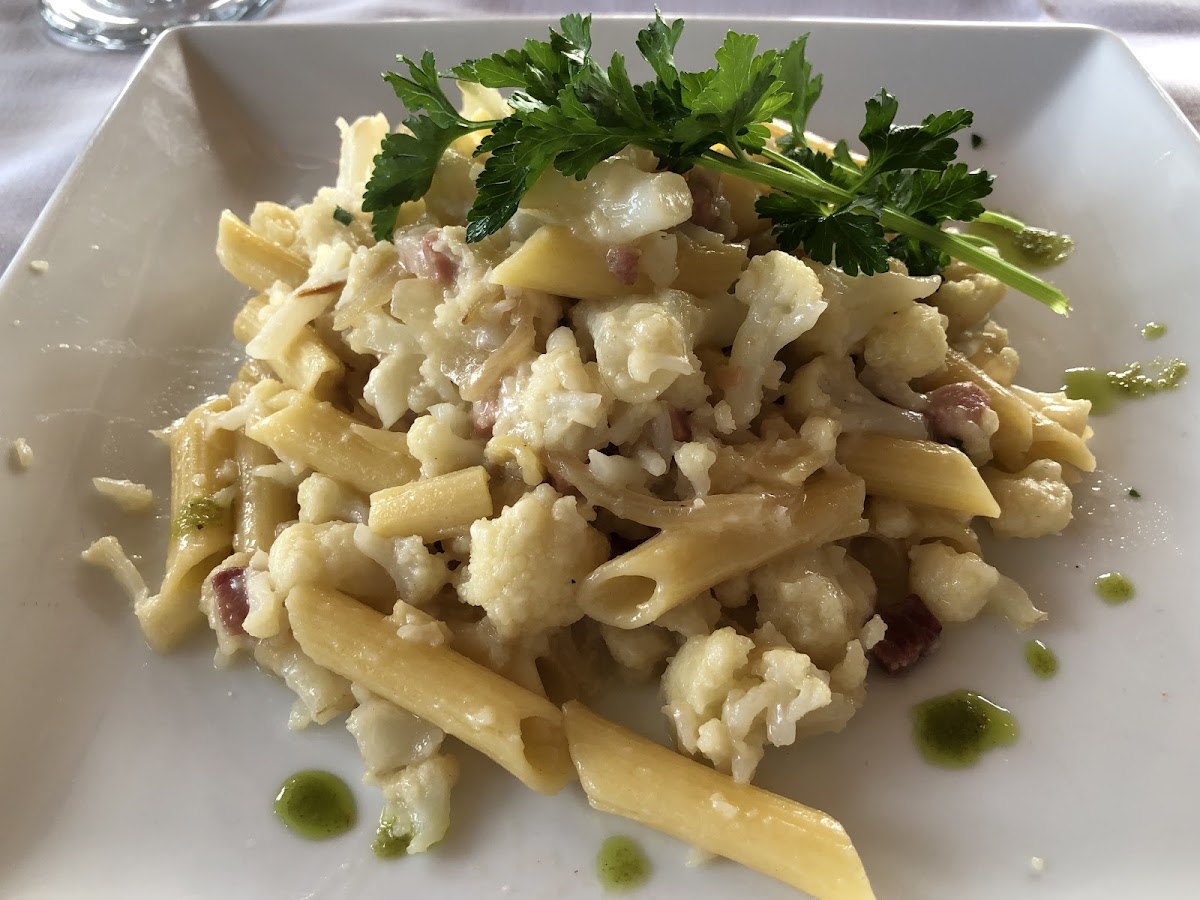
(121, 24)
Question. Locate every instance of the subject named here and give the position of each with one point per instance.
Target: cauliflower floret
(1033, 502)
(389, 737)
(617, 203)
(907, 344)
(818, 602)
(523, 587)
(417, 802)
(416, 573)
(554, 402)
(784, 300)
(857, 302)
(441, 441)
(966, 297)
(828, 386)
(727, 695)
(326, 554)
(639, 651)
(641, 347)
(322, 499)
(957, 586)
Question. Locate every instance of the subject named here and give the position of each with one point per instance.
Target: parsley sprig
(570, 112)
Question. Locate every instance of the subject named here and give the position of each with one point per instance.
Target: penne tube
(252, 259)
(627, 775)
(263, 504)
(679, 562)
(555, 261)
(433, 507)
(515, 727)
(707, 268)
(201, 527)
(307, 365)
(920, 472)
(317, 435)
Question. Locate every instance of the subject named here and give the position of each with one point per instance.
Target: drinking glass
(118, 24)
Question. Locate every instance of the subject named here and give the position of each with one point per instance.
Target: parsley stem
(809, 184)
(997, 267)
(991, 217)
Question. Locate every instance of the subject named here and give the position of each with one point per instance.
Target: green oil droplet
(620, 864)
(1114, 588)
(1041, 659)
(1106, 390)
(956, 729)
(315, 805)
(1154, 330)
(388, 844)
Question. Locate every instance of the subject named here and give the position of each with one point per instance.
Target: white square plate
(124, 775)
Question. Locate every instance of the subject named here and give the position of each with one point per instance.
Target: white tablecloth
(52, 96)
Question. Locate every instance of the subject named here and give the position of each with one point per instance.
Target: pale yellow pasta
(627, 775)
(318, 436)
(263, 504)
(253, 260)
(707, 265)
(637, 587)
(921, 472)
(201, 526)
(432, 507)
(308, 364)
(518, 729)
(556, 261)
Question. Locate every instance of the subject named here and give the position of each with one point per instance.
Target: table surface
(53, 96)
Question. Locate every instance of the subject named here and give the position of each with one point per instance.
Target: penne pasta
(516, 728)
(921, 472)
(308, 365)
(252, 259)
(432, 507)
(201, 526)
(627, 775)
(320, 437)
(679, 562)
(263, 504)
(555, 261)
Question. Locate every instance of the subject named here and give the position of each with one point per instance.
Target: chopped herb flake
(343, 216)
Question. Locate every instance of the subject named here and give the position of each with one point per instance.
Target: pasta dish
(635, 433)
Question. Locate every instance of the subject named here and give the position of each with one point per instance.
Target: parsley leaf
(422, 91)
(894, 147)
(656, 42)
(571, 111)
(805, 88)
(952, 193)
